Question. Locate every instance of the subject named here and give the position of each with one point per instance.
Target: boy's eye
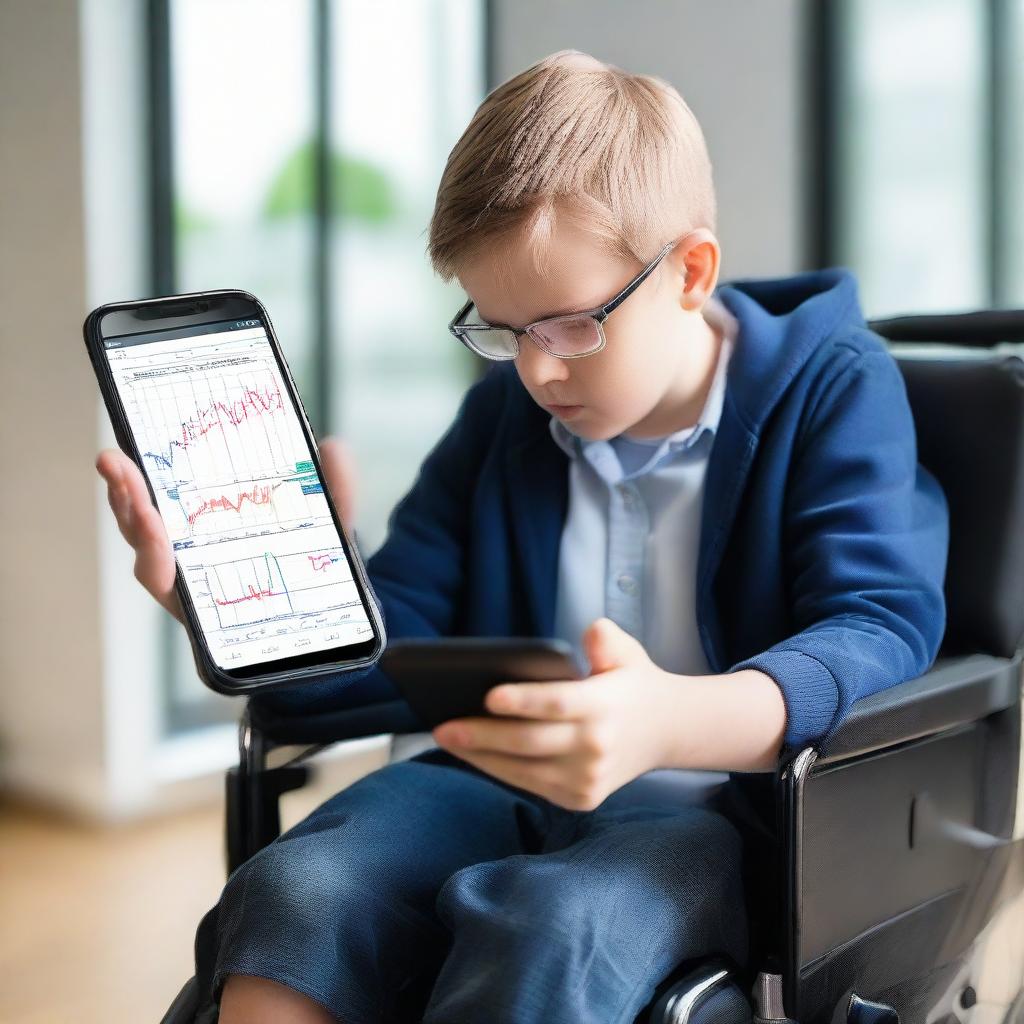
(579, 328)
(570, 336)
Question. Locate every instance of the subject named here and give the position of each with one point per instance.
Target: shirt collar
(722, 319)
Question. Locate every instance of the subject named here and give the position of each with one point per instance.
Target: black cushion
(969, 415)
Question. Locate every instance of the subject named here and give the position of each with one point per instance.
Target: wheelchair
(896, 882)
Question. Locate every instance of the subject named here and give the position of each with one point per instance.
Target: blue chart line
(245, 404)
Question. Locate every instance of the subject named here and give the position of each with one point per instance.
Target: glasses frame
(598, 314)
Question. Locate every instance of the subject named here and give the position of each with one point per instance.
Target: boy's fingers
(155, 568)
(149, 535)
(121, 505)
(128, 496)
(109, 465)
(524, 739)
(339, 469)
(142, 526)
(556, 701)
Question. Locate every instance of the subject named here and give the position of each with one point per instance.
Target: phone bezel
(217, 678)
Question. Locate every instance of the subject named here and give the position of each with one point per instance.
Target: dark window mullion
(161, 150)
(162, 280)
(489, 53)
(824, 70)
(488, 13)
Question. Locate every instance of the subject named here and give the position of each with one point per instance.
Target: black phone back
(449, 677)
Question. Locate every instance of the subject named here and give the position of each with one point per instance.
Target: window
(1010, 126)
(925, 163)
(297, 146)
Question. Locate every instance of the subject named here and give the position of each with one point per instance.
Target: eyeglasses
(568, 337)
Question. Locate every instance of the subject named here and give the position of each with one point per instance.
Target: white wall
(737, 65)
(50, 626)
(80, 724)
(80, 641)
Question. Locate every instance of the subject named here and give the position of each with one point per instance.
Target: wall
(50, 625)
(738, 66)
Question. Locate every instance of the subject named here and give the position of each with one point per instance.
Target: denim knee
(676, 876)
(301, 915)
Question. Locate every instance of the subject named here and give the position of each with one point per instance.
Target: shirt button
(627, 584)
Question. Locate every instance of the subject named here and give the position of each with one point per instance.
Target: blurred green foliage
(358, 188)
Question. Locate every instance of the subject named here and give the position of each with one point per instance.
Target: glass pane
(1013, 172)
(911, 154)
(398, 374)
(242, 122)
(243, 125)
(243, 74)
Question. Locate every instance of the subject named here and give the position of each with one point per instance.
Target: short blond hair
(620, 153)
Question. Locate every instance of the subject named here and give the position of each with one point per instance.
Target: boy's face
(651, 378)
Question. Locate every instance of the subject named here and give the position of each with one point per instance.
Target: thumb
(607, 645)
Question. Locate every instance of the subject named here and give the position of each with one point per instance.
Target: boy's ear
(696, 258)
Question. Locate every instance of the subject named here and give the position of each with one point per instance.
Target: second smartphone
(449, 677)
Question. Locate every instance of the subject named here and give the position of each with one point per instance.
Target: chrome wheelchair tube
(768, 1004)
(251, 762)
(791, 807)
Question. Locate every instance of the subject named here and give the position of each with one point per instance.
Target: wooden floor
(98, 922)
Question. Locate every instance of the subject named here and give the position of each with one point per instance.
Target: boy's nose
(538, 367)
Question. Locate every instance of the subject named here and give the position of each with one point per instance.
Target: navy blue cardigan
(823, 546)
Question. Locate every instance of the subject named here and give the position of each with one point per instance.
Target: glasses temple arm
(636, 282)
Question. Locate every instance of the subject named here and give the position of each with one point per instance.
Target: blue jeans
(430, 891)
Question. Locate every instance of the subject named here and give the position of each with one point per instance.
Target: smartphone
(449, 677)
(201, 398)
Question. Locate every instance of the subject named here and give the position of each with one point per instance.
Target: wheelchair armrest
(954, 691)
(392, 716)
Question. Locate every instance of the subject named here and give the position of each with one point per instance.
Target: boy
(717, 488)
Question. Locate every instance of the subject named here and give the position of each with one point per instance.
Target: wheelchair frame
(955, 692)
(968, 698)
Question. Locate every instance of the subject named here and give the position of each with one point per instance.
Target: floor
(98, 922)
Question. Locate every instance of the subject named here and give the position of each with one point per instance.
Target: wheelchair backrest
(965, 383)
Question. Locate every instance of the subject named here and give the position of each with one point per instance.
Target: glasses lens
(568, 335)
(490, 342)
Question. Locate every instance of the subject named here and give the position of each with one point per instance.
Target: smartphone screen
(235, 481)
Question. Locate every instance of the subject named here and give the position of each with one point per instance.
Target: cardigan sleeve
(866, 535)
(417, 573)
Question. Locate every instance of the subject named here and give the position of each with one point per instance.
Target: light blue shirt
(630, 541)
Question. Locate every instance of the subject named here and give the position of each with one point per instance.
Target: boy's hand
(585, 738)
(142, 526)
